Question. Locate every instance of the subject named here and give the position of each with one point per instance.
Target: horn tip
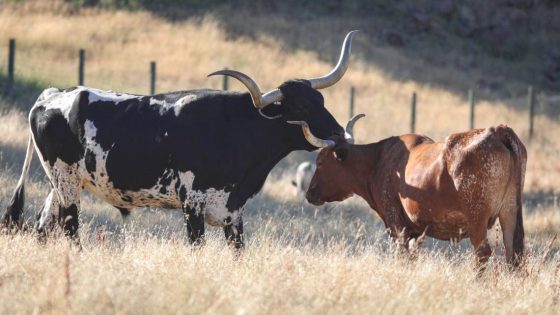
(215, 73)
(358, 116)
(352, 33)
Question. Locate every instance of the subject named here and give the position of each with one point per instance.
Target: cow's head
(335, 172)
(298, 101)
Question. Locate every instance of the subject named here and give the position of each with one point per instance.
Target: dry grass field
(299, 259)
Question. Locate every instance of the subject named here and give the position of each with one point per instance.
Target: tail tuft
(13, 218)
(518, 237)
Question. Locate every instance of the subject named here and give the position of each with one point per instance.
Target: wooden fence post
(471, 105)
(11, 63)
(81, 66)
(531, 104)
(413, 113)
(152, 77)
(351, 109)
(225, 84)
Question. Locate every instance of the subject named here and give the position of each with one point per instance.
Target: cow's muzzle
(313, 198)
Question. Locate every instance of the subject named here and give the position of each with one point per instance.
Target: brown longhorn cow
(451, 190)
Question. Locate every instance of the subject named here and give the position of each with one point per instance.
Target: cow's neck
(364, 184)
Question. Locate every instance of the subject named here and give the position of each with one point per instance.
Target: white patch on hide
(213, 202)
(177, 106)
(182, 102)
(55, 99)
(109, 96)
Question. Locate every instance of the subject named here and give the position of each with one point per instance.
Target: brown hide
(451, 189)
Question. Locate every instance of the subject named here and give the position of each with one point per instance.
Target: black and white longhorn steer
(205, 151)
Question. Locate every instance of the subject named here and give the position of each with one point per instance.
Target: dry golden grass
(299, 259)
(147, 275)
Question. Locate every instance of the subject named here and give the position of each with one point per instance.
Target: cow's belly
(211, 201)
(443, 223)
(446, 225)
(151, 198)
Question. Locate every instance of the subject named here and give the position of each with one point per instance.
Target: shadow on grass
(12, 158)
(21, 94)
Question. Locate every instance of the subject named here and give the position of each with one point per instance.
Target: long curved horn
(340, 68)
(349, 136)
(319, 143)
(259, 100)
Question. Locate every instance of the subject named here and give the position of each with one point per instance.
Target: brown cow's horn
(340, 68)
(319, 143)
(350, 128)
(259, 100)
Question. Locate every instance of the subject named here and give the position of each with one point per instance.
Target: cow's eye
(341, 154)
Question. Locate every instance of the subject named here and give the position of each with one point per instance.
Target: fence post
(11, 63)
(152, 77)
(225, 81)
(531, 103)
(81, 65)
(351, 109)
(471, 105)
(413, 113)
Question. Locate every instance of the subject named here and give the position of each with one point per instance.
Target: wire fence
(63, 73)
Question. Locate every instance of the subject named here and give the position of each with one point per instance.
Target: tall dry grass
(149, 275)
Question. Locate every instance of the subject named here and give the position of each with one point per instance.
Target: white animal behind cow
(304, 173)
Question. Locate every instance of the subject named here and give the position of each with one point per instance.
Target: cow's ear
(340, 153)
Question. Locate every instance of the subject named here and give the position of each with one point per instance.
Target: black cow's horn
(319, 143)
(338, 71)
(259, 100)
(350, 128)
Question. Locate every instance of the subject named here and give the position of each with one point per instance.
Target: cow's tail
(519, 156)
(13, 218)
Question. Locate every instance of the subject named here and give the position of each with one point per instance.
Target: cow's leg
(47, 217)
(234, 232)
(67, 187)
(194, 221)
(397, 229)
(69, 211)
(511, 222)
(478, 235)
(507, 223)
